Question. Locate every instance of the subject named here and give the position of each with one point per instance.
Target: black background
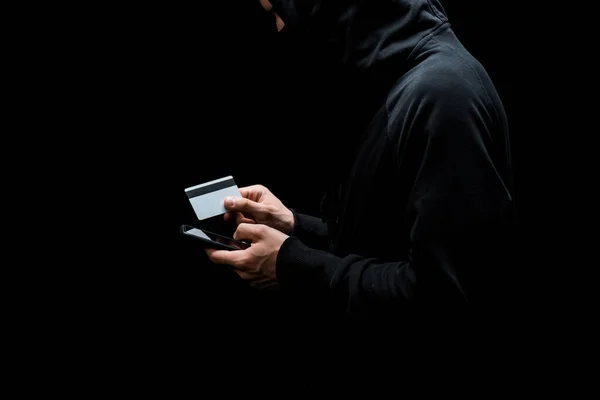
(156, 97)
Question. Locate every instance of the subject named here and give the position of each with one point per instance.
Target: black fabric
(311, 230)
(420, 212)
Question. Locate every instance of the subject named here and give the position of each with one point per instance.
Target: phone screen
(217, 238)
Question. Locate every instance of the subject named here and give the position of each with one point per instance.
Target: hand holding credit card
(207, 199)
(253, 249)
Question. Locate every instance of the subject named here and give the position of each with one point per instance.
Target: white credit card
(207, 198)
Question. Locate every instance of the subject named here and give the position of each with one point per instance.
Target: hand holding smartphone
(213, 240)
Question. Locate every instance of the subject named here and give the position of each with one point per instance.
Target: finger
(266, 5)
(254, 192)
(279, 22)
(234, 257)
(242, 219)
(247, 215)
(251, 232)
(241, 204)
(209, 252)
(238, 218)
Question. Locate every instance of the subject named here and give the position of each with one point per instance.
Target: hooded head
(362, 47)
(360, 34)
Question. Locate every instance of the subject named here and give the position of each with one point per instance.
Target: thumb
(241, 204)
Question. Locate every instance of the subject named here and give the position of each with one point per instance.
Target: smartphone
(213, 240)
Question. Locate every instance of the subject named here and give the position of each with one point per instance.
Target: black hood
(364, 46)
(363, 35)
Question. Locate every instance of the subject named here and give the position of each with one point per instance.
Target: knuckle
(261, 190)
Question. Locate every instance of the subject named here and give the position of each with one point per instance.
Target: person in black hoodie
(421, 214)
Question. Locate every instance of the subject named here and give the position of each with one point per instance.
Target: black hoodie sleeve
(456, 214)
(310, 230)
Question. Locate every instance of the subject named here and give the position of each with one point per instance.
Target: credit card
(207, 198)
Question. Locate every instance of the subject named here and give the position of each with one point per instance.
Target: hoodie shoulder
(447, 81)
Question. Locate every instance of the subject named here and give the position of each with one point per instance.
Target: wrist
(288, 223)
